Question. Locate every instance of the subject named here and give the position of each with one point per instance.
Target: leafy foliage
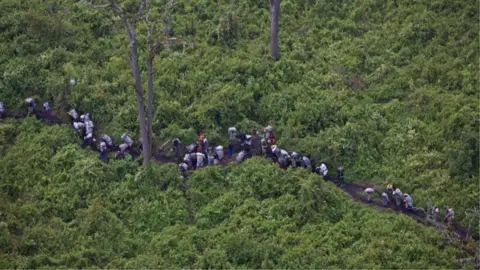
(79, 212)
(386, 89)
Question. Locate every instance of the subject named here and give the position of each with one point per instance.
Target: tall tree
(134, 12)
(274, 15)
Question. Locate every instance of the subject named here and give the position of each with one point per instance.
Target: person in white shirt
(307, 164)
(264, 146)
(435, 213)
(210, 156)
(79, 126)
(88, 139)
(108, 140)
(284, 158)
(46, 107)
(85, 117)
(241, 156)
(385, 200)
(398, 197)
(220, 152)
(232, 132)
(322, 170)
(102, 147)
(187, 160)
(408, 201)
(73, 115)
(369, 192)
(248, 140)
(103, 152)
(200, 159)
(449, 216)
(268, 130)
(204, 145)
(89, 127)
(127, 143)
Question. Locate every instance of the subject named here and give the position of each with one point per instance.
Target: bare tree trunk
(139, 95)
(130, 30)
(274, 15)
(150, 96)
(152, 50)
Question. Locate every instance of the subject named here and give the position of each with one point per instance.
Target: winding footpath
(354, 190)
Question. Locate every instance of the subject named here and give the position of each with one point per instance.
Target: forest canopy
(386, 89)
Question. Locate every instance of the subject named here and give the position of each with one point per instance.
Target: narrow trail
(354, 190)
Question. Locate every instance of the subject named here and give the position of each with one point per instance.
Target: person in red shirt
(271, 139)
(199, 147)
(201, 137)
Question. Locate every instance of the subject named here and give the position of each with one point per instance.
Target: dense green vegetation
(72, 210)
(387, 89)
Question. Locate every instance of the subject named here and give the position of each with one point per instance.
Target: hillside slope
(389, 90)
(68, 209)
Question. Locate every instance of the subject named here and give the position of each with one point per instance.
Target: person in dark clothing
(306, 162)
(390, 191)
(119, 155)
(256, 143)
(2, 110)
(205, 145)
(264, 146)
(231, 149)
(340, 177)
(296, 160)
(30, 105)
(103, 156)
(271, 154)
(242, 137)
(193, 158)
(176, 147)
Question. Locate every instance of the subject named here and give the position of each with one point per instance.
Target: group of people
(84, 126)
(401, 200)
(200, 154)
(29, 103)
(405, 201)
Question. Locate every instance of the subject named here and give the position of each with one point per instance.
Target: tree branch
(92, 5)
(143, 5)
(168, 9)
(147, 22)
(118, 8)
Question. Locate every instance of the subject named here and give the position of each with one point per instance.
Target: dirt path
(354, 190)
